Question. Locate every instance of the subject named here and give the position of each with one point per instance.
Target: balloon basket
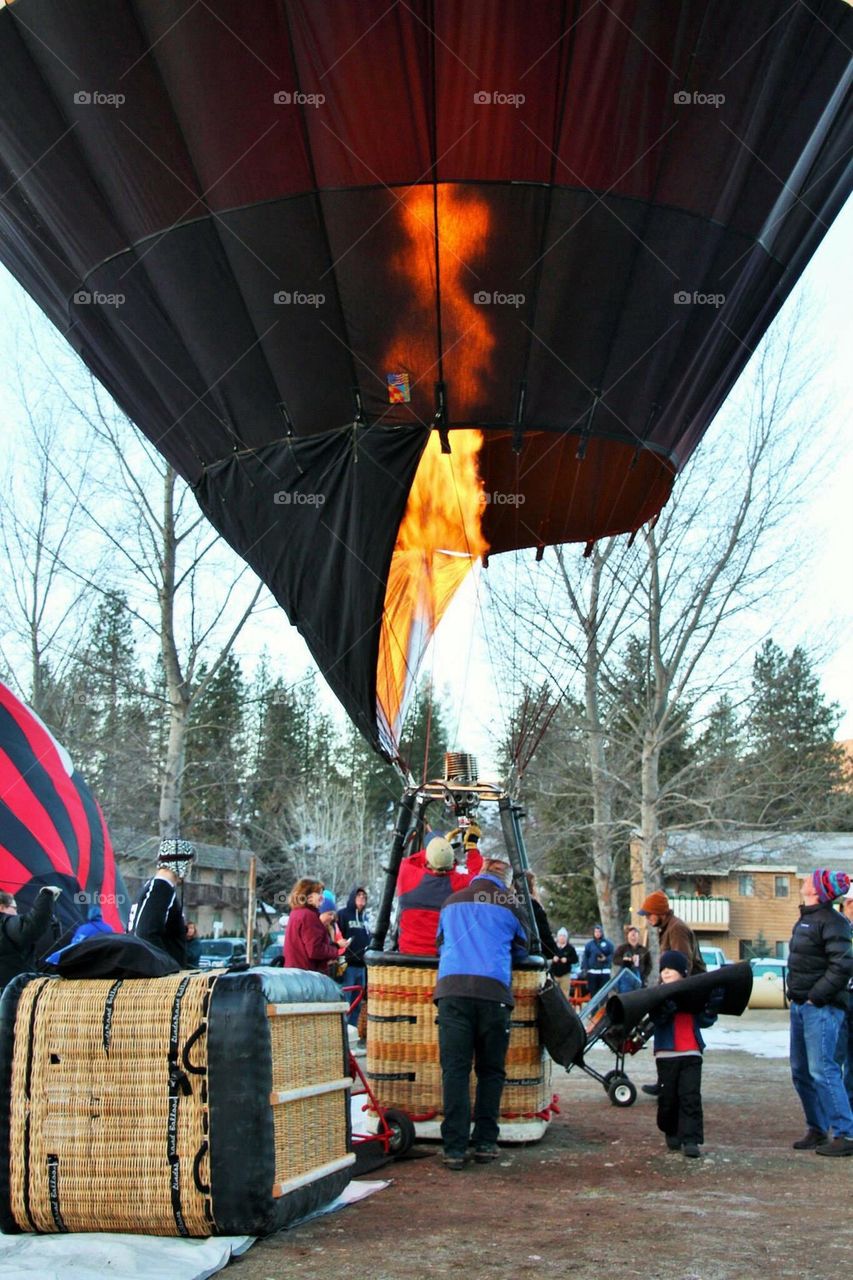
(403, 1065)
(197, 1104)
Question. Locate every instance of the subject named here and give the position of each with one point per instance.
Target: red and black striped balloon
(52, 830)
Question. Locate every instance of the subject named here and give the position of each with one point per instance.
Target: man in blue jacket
(480, 934)
(597, 956)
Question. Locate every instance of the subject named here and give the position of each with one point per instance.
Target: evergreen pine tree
(424, 739)
(108, 719)
(795, 768)
(214, 797)
(719, 757)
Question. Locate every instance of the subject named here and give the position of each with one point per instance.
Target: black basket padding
(560, 1028)
(242, 1167)
(114, 955)
(294, 986)
(8, 1011)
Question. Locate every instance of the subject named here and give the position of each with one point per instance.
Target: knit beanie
(829, 885)
(674, 960)
(657, 903)
(327, 903)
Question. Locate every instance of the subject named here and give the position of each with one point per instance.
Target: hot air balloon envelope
(312, 245)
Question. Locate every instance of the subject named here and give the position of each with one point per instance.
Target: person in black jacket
(633, 955)
(565, 957)
(352, 923)
(820, 965)
(157, 915)
(543, 927)
(19, 934)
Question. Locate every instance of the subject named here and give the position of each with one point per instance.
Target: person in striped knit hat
(820, 965)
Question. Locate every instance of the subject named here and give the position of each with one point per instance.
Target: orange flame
(440, 536)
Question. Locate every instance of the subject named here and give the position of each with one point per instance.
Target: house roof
(140, 849)
(697, 852)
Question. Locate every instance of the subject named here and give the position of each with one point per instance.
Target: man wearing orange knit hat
(675, 935)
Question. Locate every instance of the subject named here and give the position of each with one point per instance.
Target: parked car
(714, 957)
(273, 952)
(768, 984)
(216, 952)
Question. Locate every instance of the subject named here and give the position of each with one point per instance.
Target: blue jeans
(844, 1053)
(815, 1070)
(355, 975)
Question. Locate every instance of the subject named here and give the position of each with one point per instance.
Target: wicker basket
(197, 1104)
(402, 1041)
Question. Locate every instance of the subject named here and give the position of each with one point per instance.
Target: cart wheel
(621, 1092)
(609, 1078)
(402, 1132)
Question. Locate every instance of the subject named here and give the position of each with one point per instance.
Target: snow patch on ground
(763, 1033)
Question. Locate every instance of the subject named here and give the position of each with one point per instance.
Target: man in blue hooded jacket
(597, 956)
(480, 934)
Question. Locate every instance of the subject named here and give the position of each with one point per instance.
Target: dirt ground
(601, 1197)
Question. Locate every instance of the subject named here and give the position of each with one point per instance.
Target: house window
(746, 886)
(781, 950)
(745, 949)
(782, 887)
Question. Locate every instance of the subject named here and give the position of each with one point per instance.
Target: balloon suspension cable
(428, 725)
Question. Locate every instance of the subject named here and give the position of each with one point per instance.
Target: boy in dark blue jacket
(678, 1047)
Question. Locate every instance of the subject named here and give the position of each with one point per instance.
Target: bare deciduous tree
(688, 591)
(45, 596)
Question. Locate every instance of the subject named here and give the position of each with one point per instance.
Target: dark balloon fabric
(52, 830)
(293, 238)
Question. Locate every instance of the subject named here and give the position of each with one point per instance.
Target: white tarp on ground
(92, 1256)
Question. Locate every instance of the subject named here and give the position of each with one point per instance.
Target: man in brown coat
(674, 935)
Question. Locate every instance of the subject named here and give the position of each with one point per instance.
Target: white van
(714, 957)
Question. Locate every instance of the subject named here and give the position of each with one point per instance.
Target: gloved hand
(716, 1000)
(52, 890)
(472, 835)
(665, 1010)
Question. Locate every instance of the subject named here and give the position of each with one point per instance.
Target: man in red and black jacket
(425, 882)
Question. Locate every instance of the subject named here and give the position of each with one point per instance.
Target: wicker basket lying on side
(197, 1104)
(402, 1040)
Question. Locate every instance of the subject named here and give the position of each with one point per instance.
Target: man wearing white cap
(425, 882)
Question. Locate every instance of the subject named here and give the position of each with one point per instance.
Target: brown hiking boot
(835, 1147)
(810, 1139)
